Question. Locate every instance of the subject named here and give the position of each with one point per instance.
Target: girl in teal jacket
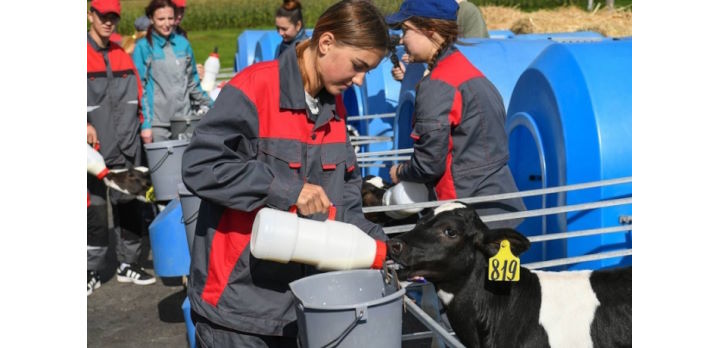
(166, 65)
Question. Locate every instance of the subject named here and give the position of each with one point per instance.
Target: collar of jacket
(161, 40)
(292, 91)
(445, 53)
(95, 46)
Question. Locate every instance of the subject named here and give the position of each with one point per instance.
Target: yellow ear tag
(150, 194)
(504, 266)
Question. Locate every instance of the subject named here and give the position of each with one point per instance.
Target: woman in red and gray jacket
(461, 148)
(275, 137)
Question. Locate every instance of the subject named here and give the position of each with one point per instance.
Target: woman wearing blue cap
(461, 148)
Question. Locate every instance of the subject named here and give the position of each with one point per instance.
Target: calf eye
(450, 233)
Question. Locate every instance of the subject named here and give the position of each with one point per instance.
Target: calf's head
(448, 243)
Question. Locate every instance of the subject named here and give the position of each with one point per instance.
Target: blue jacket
(169, 79)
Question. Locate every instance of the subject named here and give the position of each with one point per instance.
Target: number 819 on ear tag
(504, 266)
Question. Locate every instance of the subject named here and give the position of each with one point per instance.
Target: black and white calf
(451, 248)
(372, 191)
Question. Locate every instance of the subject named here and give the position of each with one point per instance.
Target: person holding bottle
(276, 137)
(461, 148)
(113, 129)
(166, 64)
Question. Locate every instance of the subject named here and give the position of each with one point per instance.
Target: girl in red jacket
(461, 148)
(275, 137)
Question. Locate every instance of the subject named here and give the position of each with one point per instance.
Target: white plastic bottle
(405, 192)
(328, 245)
(212, 68)
(96, 163)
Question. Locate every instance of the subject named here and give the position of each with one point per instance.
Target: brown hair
(153, 6)
(128, 42)
(292, 10)
(355, 23)
(447, 29)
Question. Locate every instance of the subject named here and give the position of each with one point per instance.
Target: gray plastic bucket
(182, 127)
(190, 209)
(165, 162)
(348, 309)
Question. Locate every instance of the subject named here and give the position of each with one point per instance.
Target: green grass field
(203, 42)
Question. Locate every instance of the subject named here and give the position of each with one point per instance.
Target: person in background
(470, 21)
(275, 137)
(113, 128)
(289, 24)
(179, 15)
(142, 24)
(461, 148)
(471, 24)
(166, 65)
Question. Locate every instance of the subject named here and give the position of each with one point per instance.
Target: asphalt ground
(129, 315)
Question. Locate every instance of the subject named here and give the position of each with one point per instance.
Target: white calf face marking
(567, 308)
(445, 297)
(448, 207)
(376, 181)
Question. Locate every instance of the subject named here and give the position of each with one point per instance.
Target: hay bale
(563, 19)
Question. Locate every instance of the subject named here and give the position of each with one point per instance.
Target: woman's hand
(312, 200)
(399, 72)
(92, 137)
(146, 136)
(393, 173)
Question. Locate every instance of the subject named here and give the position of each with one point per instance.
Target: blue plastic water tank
(569, 122)
(266, 46)
(577, 36)
(500, 34)
(170, 252)
(189, 326)
(246, 44)
(502, 61)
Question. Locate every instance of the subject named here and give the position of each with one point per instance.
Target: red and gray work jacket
(461, 148)
(113, 109)
(256, 147)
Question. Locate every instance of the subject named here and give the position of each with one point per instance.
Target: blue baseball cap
(439, 9)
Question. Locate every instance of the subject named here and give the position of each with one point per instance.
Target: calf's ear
(490, 243)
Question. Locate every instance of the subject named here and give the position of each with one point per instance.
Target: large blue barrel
(502, 61)
(266, 46)
(246, 44)
(570, 122)
(382, 92)
(577, 36)
(500, 34)
(170, 252)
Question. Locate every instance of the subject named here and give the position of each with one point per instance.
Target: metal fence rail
(502, 196)
(431, 324)
(370, 117)
(382, 153)
(528, 213)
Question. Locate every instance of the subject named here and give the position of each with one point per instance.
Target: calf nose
(396, 247)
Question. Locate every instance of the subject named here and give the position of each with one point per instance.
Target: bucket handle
(360, 315)
(332, 211)
(162, 160)
(191, 219)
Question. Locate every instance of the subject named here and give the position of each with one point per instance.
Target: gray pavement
(128, 315)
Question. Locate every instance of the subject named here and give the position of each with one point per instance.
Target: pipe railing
(501, 196)
(370, 117)
(529, 213)
(383, 159)
(383, 153)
